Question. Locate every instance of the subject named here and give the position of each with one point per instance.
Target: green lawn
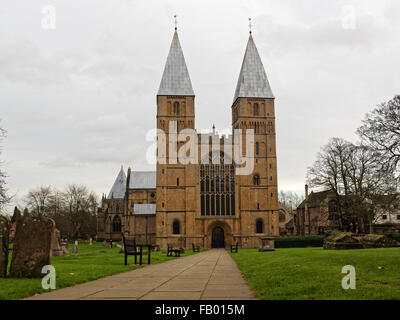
(92, 262)
(315, 273)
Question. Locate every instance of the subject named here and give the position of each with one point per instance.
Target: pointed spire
(253, 81)
(118, 189)
(175, 80)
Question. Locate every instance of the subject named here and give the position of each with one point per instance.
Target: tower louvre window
(257, 148)
(256, 110)
(176, 108)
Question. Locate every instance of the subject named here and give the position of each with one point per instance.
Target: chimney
(306, 192)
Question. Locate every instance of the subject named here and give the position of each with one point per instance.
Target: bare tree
(74, 210)
(38, 201)
(79, 205)
(357, 177)
(290, 200)
(381, 131)
(4, 198)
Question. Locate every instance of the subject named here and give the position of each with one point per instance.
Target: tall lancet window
(217, 187)
(256, 110)
(176, 108)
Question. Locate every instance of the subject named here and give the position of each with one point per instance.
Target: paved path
(207, 275)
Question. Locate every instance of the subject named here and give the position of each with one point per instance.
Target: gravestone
(266, 244)
(32, 246)
(57, 250)
(4, 240)
(75, 248)
(90, 241)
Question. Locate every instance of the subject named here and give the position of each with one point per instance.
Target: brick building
(207, 204)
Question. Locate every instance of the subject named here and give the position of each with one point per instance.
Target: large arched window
(256, 180)
(259, 226)
(117, 226)
(176, 108)
(176, 227)
(217, 186)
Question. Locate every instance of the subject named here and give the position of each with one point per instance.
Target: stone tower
(253, 108)
(175, 181)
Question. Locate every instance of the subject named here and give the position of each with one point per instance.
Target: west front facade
(210, 202)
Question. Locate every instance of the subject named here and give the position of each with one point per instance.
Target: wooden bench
(133, 249)
(174, 251)
(195, 248)
(234, 248)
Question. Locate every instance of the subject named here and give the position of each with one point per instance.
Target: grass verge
(91, 263)
(315, 273)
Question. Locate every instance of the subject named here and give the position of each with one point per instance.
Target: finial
(250, 25)
(176, 22)
(213, 128)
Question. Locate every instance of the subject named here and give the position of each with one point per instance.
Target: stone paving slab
(207, 275)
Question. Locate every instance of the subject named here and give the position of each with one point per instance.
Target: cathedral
(205, 203)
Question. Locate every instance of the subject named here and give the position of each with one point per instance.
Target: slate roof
(118, 189)
(142, 180)
(145, 208)
(252, 81)
(315, 199)
(175, 80)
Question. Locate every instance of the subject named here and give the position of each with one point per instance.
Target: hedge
(395, 236)
(299, 242)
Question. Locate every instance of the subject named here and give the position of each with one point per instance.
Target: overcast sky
(78, 100)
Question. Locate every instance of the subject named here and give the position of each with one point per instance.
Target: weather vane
(176, 22)
(250, 25)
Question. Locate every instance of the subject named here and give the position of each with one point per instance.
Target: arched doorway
(218, 239)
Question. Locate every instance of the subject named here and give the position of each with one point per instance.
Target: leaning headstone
(32, 246)
(75, 248)
(57, 250)
(4, 240)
